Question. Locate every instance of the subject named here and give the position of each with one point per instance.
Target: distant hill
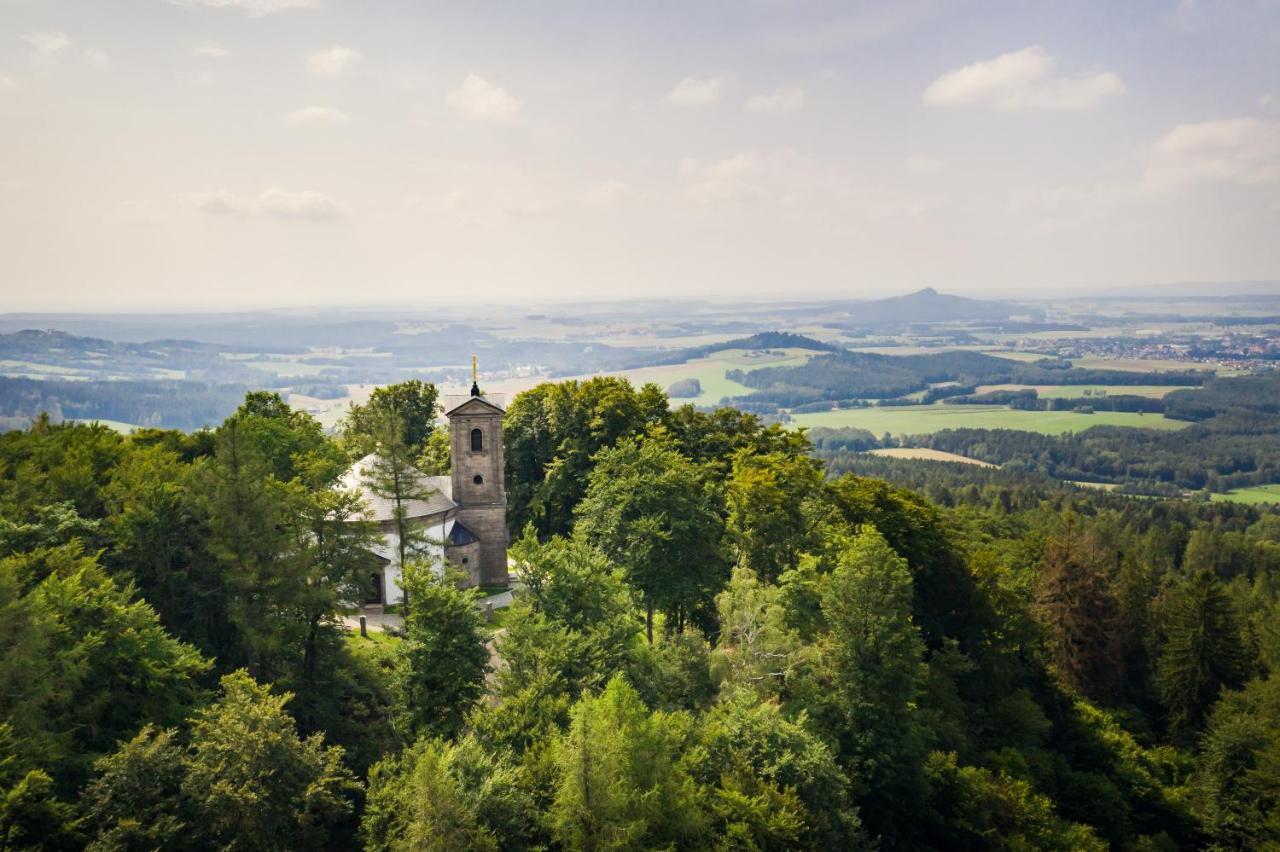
(763, 340)
(927, 305)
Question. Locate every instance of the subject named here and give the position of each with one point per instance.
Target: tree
(756, 647)
(443, 659)
(254, 782)
(445, 796)
(1237, 783)
(772, 782)
(410, 407)
(874, 657)
(650, 511)
(389, 473)
(619, 780)
(766, 496)
(135, 799)
(1075, 602)
(1201, 652)
(84, 664)
(552, 433)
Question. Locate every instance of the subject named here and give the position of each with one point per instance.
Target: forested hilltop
(719, 644)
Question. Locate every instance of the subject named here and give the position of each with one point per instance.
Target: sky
(228, 154)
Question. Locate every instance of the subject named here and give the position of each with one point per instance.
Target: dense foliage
(715, 646)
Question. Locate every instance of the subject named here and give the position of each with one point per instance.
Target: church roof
(491, 403)
(460, 535)
(436, 492)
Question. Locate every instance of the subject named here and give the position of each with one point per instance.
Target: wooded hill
(717, 646)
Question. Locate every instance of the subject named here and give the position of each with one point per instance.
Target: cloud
(219, 202)
(608, 193)
(314, 115)
(97, 58)
(479, 99)
(7, 84)
(252, 8)
(332, 61)
(210, 50)
(276, 203)
(305, 205)
(923, 166)
(1021, 80)
(694, 92)
(1243, 151)
(47, 43)
(732, 180)
(782, 99)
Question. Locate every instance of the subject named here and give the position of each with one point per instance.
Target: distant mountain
(927, 305)
(763, 340)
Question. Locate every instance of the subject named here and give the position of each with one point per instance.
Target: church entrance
(373, 594)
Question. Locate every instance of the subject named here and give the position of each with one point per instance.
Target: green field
(1254, 495)
(925, 419)
(710, 372)
(1074, 391)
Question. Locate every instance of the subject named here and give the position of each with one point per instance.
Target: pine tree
(1202, 651)
(1075, 602)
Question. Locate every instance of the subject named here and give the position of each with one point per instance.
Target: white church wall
(393, 590)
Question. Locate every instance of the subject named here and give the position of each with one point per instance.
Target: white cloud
(479, 99)
(782, 99)
(333, 61)
(97, 58)
(695, 92)
(1021, 80)
(923, 166)
(47, 43)
(735, 179)
(219, 202)
(1236, 150)
(252, 8)
(608, 193)
(306, 205)
(7, 84)
(316, 115)
(210, 50)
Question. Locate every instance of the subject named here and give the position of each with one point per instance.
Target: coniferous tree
(1202, 652)
(443, 659)
(1075, 601)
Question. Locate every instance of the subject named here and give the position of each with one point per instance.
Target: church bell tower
(476, 469)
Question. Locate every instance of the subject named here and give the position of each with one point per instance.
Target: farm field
(1254, 495)
(926, 454)
(925, 419)
(1140, 365)
(1073, 391)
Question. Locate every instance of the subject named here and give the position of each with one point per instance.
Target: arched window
(477, 441)
(478, 479)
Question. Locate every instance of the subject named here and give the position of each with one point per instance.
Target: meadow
(1253, 496)
(1076, 391)
(926, 419)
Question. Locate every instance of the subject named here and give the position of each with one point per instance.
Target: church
(463, 514)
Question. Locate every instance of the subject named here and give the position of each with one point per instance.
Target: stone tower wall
(482, 506)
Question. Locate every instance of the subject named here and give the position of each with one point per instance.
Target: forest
(724, 640)
(846, 376)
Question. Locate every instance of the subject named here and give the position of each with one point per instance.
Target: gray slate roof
(382, 508)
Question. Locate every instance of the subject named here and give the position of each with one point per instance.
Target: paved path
(377, 620)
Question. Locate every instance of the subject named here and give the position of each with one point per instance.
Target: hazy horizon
(194, 155)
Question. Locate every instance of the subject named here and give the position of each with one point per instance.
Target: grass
(926, 454)
(926, 419)
(710, 372)
(1073, 391)
(1253, 495)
